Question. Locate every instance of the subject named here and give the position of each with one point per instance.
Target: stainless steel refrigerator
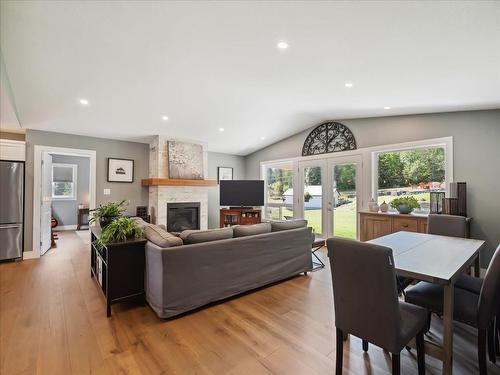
(11, 209)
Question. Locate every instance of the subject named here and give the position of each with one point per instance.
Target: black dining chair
(366, 301)
(476, 310)
(474, 284)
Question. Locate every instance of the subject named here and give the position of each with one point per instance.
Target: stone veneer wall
(159, 196)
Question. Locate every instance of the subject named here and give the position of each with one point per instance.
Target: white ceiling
(208, 65)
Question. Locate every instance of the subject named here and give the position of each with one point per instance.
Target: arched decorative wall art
(329, 136)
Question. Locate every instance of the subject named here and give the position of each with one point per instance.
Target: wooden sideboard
(377, 224)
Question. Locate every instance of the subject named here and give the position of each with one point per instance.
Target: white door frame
(368, 156)
(37, 178)
(327, 183)
(331, 163)
(299, 211)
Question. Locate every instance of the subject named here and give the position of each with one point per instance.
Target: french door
(328, 195)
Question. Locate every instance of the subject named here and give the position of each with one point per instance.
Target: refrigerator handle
(10, 226)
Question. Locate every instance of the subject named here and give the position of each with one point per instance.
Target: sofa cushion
(197, 236)
(161, 237)
(278, 225)
(251, 230)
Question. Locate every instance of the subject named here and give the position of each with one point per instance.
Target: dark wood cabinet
(118, 269)
(239, 216)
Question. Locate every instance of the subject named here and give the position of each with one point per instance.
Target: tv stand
(239, 216)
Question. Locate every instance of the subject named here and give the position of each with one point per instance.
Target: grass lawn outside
(345, 217)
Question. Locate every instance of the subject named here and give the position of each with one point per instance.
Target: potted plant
(119, 229)
(107, 212)
(404, 205)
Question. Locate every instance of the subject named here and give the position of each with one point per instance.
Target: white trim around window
(74, 192)
(368, 160)
(444, 143)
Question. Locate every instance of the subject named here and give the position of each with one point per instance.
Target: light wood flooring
(53, 321)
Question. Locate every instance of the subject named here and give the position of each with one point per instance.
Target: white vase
(372, 206)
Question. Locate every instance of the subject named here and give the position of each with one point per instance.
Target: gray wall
(66, 211)
(134, 192)
(221, 160)
(476, 145)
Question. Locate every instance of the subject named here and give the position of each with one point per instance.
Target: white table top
(429, 257)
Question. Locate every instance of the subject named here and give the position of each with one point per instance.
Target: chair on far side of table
(366, 301)
(448, 225)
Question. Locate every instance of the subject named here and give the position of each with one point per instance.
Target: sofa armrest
(154, 284)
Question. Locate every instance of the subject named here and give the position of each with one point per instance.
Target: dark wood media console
(239, 216)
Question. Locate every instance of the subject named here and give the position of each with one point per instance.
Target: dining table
(439, 260)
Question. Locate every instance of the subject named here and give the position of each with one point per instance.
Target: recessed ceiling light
(282, 45)
(348, 84)
(84, 102)
(164, 118)
(262, 138)
(221, 129)
(387, 107)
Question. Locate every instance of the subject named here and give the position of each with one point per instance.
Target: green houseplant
(120, 229)
(107, 212)
(404, 205)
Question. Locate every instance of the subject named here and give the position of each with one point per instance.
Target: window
(279, 191)
(64, 181)
(413, 172)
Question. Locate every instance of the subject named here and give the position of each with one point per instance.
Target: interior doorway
(64, 192)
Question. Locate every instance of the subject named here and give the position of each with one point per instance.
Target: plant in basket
(107, 212)
(120, 229)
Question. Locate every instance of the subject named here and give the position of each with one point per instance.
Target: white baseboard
(30, 255)
(60, 228)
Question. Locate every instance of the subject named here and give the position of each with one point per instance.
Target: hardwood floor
(53, 321)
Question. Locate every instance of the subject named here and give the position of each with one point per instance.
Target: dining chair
(476, 310)
(448, 225)
(366, 301)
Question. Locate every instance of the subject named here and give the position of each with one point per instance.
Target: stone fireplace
(182, 216)
(161, 196)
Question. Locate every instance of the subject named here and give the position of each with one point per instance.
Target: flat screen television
(241, 193)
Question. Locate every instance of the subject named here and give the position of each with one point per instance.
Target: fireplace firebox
(182, 216)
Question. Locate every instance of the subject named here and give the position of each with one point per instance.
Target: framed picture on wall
(120, 170)
(224, 173)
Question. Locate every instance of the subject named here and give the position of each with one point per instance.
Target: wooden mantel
(177, 182)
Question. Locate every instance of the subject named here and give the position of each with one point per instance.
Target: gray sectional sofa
(199, 267)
